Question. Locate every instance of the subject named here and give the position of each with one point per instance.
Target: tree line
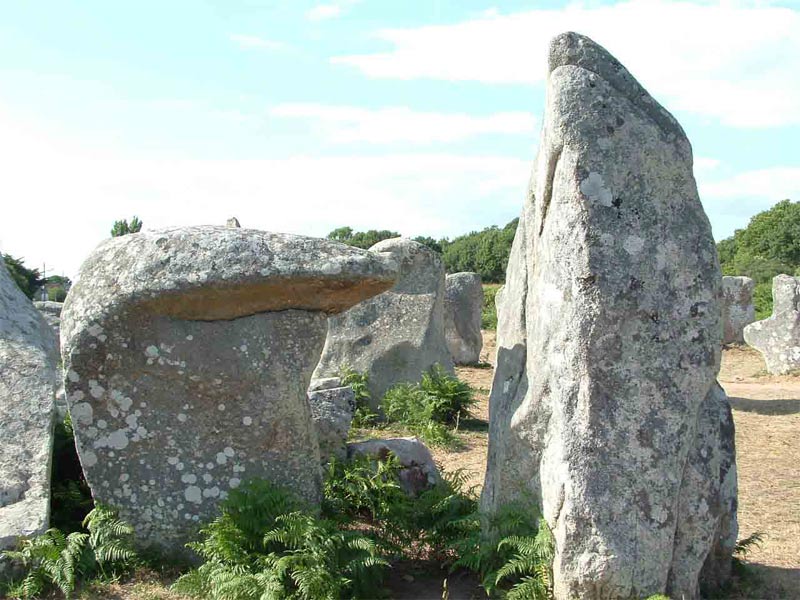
(484, 252)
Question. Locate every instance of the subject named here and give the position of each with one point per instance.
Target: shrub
(56, 559)
(412, 407)
(531, 565)
(363, 415)
(453, 396)
(489, 311)
(265, 544)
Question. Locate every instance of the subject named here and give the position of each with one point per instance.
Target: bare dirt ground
(766, 412)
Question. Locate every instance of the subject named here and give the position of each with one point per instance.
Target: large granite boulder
(27, 407)
(463, 304)
(737, 308)
(188, 354)
(333, 406)
(604, 404)
(778, 337)
(398, 335)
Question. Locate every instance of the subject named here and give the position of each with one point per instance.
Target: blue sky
(304, 116)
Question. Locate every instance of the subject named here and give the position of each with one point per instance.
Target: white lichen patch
(193, 494)
(593, 187)
(633, 244)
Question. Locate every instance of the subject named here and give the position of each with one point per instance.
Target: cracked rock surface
(463, 303)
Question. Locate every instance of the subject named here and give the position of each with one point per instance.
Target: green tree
(361, 239)
(28, 280)
(484, 252)
(768, 246)
(124, 228)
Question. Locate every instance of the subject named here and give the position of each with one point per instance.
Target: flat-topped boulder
(397, 335)
(463, 305)
(604, 405)
(188, 355)
(737, 308)
(27, 409)
(777, 338)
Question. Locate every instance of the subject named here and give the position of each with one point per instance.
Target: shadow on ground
(424, 580)
(765, 582)
(766, 407)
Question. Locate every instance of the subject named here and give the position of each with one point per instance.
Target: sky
(300, 116)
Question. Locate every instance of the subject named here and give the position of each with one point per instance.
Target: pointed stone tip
(574, 49)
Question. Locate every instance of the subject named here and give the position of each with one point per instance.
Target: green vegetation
(361, 239)
(54, 559)
(124, 228)
(768, 246)
(28, 280)
(430, 408)
(484, 252)
(489, 311)
(363, 416)
(265, 544)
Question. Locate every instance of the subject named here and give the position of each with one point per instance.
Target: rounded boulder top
(210, 273)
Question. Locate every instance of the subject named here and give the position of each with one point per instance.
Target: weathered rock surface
(604, 404)
(188, 354)
(463, 304)
(395, 336)
(332, 408)
(27, 408)
(418, 472)
(737, 308)
(778, 337)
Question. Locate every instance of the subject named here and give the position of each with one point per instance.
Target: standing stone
(396, 336)
(233, 222)
(27, 407)
(737, 308)
(332, 409)
(778, 337)
(463, 304)
(604, 404)
(188, 354)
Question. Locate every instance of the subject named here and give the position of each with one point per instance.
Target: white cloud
(705, 164)
(61, 200)
(344, 124)
(734, 61)
(323, 11)
(775, 183)
(731, 201)
(254, 41)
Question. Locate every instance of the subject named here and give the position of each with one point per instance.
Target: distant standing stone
(28, 379)
(188, 354)
(332, 408)
(463, 305)
(398, 335)
(778, 337)
(233, 222)
(737, 308)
